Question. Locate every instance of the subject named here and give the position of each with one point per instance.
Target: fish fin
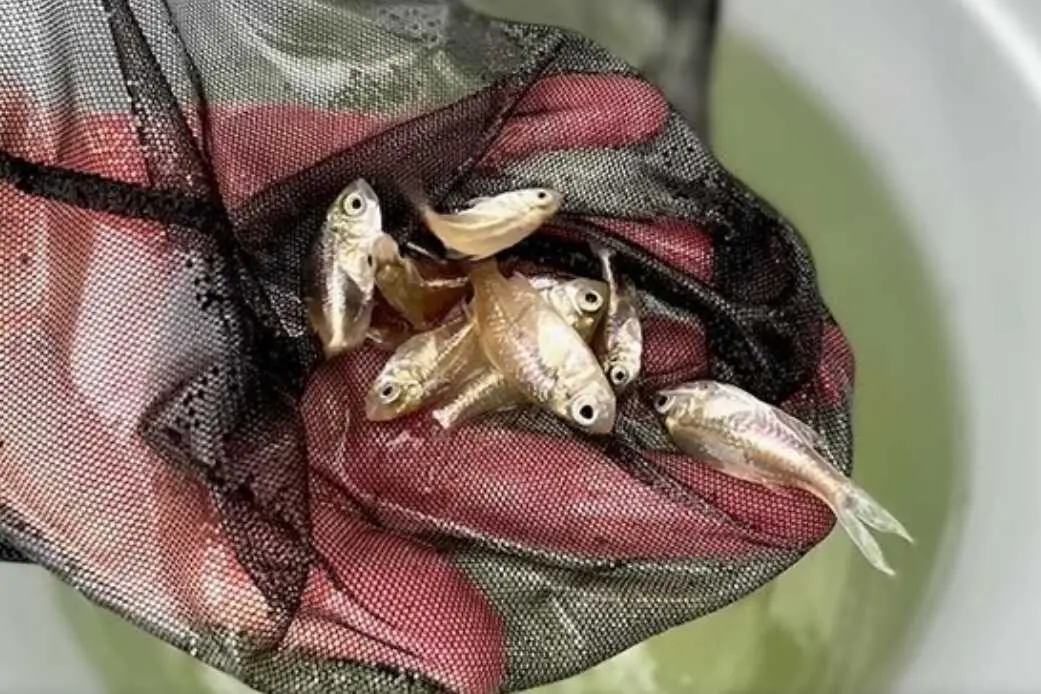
(801, 428)
(606, 257)
(864, 541)
(856, 511)
(419, 250)
(443, 417)
(873, 514)
(473, 202)
(600, 251)
(385, 338)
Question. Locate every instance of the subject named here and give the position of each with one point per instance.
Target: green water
(831, 625)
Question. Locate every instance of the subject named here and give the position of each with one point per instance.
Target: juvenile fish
(751, 440)
(532, 345)
(421, 298)
(340, 272)
(425, 365)
(490, 225)
(580, 302)
(619, 342)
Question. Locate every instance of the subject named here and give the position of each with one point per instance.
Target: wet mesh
(171, 444)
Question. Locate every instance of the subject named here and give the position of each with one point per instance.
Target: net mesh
(172, 445)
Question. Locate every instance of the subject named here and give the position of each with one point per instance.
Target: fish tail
(856, 512)
(601, 251)
(874, 515)
(417, 196)
(606, 257)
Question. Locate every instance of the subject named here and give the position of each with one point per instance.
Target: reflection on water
(831, 625)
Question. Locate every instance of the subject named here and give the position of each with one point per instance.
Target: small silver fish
(422, 293)
(619, 342)
(751, 440)
(489, 225)
(580, 302)
(340, 273)
(424, 366)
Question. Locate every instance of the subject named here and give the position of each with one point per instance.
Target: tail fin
(412, 188)
(856, 511)
(415, 193)
(605, 256)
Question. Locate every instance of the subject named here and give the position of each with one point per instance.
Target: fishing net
(171, 443)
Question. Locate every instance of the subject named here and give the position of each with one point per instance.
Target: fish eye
(369, 261)
(619, 375)
(542, 195)
(663, 402)
(584, 411)
(353, 203)
(590, 301)
(389, 393)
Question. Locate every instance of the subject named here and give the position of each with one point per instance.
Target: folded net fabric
(172, 445)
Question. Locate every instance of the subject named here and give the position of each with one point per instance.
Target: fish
(619, 342)
(489, 225)
(580, 301)
(746, 438)
(528, 342)
(388, 330)
(340, 270)
(422, 293)
(422, 367)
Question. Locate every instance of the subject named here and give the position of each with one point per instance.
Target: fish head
(592, 409)
(546, 200)
(356, 211)
(693, 395)
(395, 392)
(621, 342)
(581, 302)
(541, 203)
(665, 402)
(622, 369)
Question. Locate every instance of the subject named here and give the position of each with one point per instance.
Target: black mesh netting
(170, 442)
